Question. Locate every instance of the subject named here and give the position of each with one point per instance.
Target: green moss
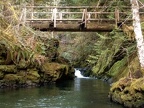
(2, 61)
(22, 73)
(52, 67)
(12, 78)
(33, 75)
(22, 64)
(118, 67)
(126, 97)
(139, 103)
(106, 50)
(128, 92)
(124, 68)
(1, 75)
(8, 68)
(142, 25)
(54, 71)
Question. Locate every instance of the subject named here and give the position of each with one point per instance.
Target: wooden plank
(72, 20)
(85, 18)
(88, 12)
(75, 7)
(51, 20)
(54, 16)
(80, 20)
(75, 20)
(60, 23)
(116, 17)
(73, 27)
(24, 17)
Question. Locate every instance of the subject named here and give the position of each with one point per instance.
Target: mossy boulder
(54, 71)
(117, 67)
(23, 78)
(25, 71)
(129, 92)
(125, 67)
(30, 76)
(8, 68)
(23, 64)
(1, 75)
(12, 80)
(33, 76)
(70, 68)
(107, 56)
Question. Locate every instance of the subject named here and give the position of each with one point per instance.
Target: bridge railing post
(116, 16)
(32, 9)
(54, 16)
(60, 15)
(84, 18)
(32, 14)
(23, 15)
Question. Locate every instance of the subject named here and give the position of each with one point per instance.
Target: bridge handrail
(74, 7)
(61, 14)
(86, 13)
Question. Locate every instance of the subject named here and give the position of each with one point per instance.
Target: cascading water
(78, 74)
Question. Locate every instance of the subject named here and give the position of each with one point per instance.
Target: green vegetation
(32, 58)
(24, 52)
(128, 92)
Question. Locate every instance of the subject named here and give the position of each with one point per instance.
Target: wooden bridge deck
(74, 18)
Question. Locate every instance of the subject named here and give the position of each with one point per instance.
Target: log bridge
(74, 18)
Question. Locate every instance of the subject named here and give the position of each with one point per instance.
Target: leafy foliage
(108, 50)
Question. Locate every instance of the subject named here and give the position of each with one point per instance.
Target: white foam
(78, 74)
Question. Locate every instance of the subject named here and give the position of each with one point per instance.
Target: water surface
(80, 93)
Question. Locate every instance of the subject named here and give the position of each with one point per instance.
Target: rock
(33, 76)
(12, 80)
(23, 64)
(1, 75)
(54, 71)
(37, 69)
(8, 68)
(128, 92)
(23, 78)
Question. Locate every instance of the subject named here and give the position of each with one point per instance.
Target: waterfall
(78, 74)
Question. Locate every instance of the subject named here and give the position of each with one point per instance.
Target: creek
(79, 93)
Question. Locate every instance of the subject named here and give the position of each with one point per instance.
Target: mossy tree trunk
(138, 31)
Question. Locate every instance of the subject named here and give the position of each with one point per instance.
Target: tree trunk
(138, 31)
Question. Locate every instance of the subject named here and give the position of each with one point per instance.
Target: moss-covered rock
(128, 92)
(118, 70)
(108, 52)
(33, 76)
(54, 71)
(1, 75)
(23, 64)
(119, 66)
(12, 80)
(28, 77)
(8, 68)
(26, 67)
